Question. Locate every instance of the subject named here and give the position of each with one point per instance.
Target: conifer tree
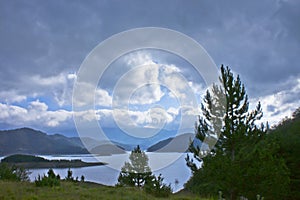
(230, 138)
(136, 172)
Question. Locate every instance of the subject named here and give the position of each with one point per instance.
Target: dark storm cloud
(260, 40)
(44, 38)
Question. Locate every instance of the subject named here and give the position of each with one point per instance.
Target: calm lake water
(108, 174)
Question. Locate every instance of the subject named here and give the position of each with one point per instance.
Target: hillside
(287, 134)
(82, 191)
(29, 141)
(178, 144)
(107, 149)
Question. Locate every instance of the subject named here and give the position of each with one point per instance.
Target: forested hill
(287, 134)
(29, 141)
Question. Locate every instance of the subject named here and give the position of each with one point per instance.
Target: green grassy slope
(70, 190)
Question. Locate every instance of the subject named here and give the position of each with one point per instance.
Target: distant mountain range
(30, 141)
(178, 144)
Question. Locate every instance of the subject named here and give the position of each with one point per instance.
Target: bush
(70, 175)
(12, 173)
(51, 180)
(82, 178)
(157, 188)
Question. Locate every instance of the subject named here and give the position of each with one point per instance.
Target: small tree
(136, 172)
(82, 178)
(69, 175)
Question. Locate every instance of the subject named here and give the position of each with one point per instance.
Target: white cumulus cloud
(36, 113)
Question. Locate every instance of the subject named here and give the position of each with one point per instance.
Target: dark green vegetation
(241, 161)
(19, 158)
(54, 180)
(13, 173)
(287, 136)
(35, 162)
(51, 180)
(137, 173)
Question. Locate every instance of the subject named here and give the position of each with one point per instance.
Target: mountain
(129, 142)
(29, 141)
(107, 150)
(173, 144)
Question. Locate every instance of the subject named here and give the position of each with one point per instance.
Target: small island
(36, 162)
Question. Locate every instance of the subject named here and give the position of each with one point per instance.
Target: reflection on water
(108, 175)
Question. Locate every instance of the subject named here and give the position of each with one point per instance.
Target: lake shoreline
(36, 162)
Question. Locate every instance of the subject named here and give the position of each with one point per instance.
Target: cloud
(259, 41)
(138, 58)
(143, 83)
(280, 104)
(140, 84)
(87, 95)
(57, 88)
(11, 96)
(60, 87)
(155, 117)
(49, 81)
(36, 113)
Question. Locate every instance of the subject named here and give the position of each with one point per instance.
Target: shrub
(69, 176)
(82, 178)
(51, 180)
(157, 188)
(12, 173)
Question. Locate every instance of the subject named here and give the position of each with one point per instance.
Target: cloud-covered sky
(43, 44)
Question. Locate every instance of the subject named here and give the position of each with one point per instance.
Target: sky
(44, 44)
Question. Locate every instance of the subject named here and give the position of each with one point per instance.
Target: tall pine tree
(228, 129)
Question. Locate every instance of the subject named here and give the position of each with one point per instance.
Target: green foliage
(50, 181)
(8, 172)
(69, 175)
(287, 135)
(157, 188)
(239, 161)
(137, 171)
(296, 114)
(21, 174)
(264, 172)
(19, 158)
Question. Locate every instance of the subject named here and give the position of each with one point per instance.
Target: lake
(172, 166)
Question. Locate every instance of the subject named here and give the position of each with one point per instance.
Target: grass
(71, 190)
